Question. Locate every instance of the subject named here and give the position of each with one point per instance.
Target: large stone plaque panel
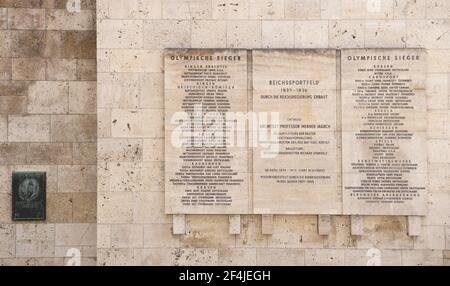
(384, 131)
(206, 158)
(28, 196)
(295, 162)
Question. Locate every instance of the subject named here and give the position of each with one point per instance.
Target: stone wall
(48, 123)
(132, 228)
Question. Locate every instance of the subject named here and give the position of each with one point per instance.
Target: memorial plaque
(295, 164)
(28, 196)
(206, 158)
(384, 131)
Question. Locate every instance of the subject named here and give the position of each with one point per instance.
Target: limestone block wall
(48, 123)
(132, 228)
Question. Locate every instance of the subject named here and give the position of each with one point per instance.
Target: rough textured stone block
(59, 208)
(372, 257)
(251, 232)
(3, 128)
(244, 34)
(209, 34)
(75, 178)
(115, 257)
(364, 9)
(33, 19)
(266, 9)
(340, 236)
(230, 9)
(85, 207)
(13, 104)
(311, 34)
(84, 153)
(149, 208)
(83, 97)
(87, 69)
(278, 34)
(280, 256)
(422, 257)
(5, 69)
(61, 19)
(61, 69)
(302, 9)
(140, 123)
(28, 69)
(160, 235)
(186, 9)
(133, 9)
(75, 234)
(29, 128)
(127, 236)
(136, 61)
(237, 256)
(407, 9)
(324, 257)
(207, 231)
(346, 34)
(295, 232)
(195, 256)
(35, 240)
(119, 90)
(7, 241)
(115, 207)
(438, 91)
(119, 150)
(380, 34)
(159, 34)
(431, 237)
(121, 34)
(48, 97)
(49, 153)
(74, 128)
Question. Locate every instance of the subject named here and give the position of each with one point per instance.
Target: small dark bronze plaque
(28, 196)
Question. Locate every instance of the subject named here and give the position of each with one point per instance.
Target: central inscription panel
(206, 165)
(295, 165)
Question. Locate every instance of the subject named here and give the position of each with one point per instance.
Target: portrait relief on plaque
(28, 196)
(384, 131)
(206, 158)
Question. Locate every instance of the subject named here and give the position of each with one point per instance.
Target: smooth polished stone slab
(384, 131)
(295, 160)
(206, 157)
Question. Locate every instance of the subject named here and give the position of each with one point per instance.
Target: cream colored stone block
(324, 224)
(118, 90)
(115, 257)
(5, 208)
(438, 151)
(151, 93)
(330, 9)
(207, 231)
(267, 224)
(85, 153)
(83, 97)
(430, 34)
(3, 128)
(438, 126)
(120, 34)
(85, 251)
(7, 241)
(149, 208)
(115, 207)
(438, 9)
(152, 177)
(186, 9)
(102, 9)
(28, 128)
(237, 256)
(311, 34)
(135, 9)
(234, 224)
(409, 9)
(160, 235)
(251, 232)
(447, 238)
(82, 178)
(61, 19)
(266, 9)
(155, 256)
(35, 240)
(103, 236)
(244, 34)
(153, 150)
(380, 34)
(372, 257)
(81, 234)
(48, 97)
(196, 257)
(141, 123)
(103, 123)
(127, 236)
(136, 61)
(438, 178)
(302, 9)
(28, 19)
(324, 257)
(438, 91)
(438, 210)
(438, 61)
(367, 9)
(73, 128)
(295, 232)
(230, 9)
(280, 257)
(61, 69)
(159, 34)
(119, 150)
(278, 34)
(340, 235)
(431, 237)
(393, 236)
(346, 34)
(422, 258)
(103, 61)
(179, 224)
(209, 34)
(125, 177)
(5, 179)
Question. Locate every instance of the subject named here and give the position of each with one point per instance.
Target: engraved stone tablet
(206, 160)
(384, 131)
(28, 196)
(295, 162)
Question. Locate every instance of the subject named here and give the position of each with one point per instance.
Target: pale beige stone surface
(211, 231)
(372, 257)
(160, 235)
(48, 97)
(295, 232)
(422, 258)
(127, 236)
(35, 240)
(277, 34)
(209, 34)
(280, 256)
(75, 234)
(324, 257)
(7, 241)
(244, 34)
(237, 256)
(29, 128)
